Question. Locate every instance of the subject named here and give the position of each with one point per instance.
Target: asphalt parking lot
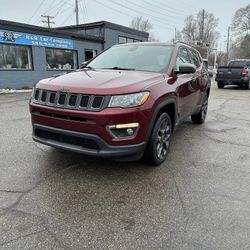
(198, 199)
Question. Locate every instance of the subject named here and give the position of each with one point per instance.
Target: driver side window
(182, 57)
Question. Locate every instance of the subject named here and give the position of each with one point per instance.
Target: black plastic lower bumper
(88, 144)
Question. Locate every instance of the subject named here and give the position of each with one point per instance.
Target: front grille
(52, 98)
(44, 96)
(84, 101)
(68, 139)
(70, 100)
(62, 99)
(97, 102)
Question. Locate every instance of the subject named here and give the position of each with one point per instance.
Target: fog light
(123, 130)
(130, 131)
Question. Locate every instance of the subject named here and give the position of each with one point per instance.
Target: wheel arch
(169, 106)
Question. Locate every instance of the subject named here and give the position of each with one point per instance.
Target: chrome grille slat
(70, 101)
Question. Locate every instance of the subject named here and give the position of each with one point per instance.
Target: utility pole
(228, 41)
(202, 26)
(48, 20)
(77, 12)
(175, 34)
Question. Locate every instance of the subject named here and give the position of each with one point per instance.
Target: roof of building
(22, 27)
(106, 25)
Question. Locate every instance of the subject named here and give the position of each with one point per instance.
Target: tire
(220, 85)
(247, 85)
(201, 116)
(159, 142)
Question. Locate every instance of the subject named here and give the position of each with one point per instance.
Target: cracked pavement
(198, 199)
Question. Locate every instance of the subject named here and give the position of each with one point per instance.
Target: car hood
(105, 82)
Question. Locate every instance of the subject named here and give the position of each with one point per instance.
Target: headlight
(32, 92)
(128, 101)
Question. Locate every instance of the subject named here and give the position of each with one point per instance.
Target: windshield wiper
(88, 67)
(120, 68)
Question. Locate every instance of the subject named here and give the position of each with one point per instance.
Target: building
(29, 53)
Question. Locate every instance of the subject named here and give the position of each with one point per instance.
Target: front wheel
(158, 145)
(201, 116)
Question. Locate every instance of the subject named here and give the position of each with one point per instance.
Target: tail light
(244, 72)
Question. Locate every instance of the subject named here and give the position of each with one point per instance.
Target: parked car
(209, 68)
(236, 73)
(124, 104)
(210, 71)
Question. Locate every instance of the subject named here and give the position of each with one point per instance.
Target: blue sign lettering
(13, 37)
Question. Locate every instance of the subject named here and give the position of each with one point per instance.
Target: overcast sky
(165, 15)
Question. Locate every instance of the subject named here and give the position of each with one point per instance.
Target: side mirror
(186, 68)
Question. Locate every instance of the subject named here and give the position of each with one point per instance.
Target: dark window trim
(126, 37)
(31, 57)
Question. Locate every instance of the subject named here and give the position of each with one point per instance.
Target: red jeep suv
(123, 104)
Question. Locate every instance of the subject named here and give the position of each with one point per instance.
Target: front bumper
(85, 143)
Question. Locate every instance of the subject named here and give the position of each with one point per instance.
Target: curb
(14, 91)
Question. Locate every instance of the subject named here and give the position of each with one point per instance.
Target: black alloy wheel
(200, 117)
(159, 142)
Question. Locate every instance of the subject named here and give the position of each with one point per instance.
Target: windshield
(154, 58)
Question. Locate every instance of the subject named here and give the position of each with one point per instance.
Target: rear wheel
(201, 116)
(158, 145)
(220, 85)
(247, 85)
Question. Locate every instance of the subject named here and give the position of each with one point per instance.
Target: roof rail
(178, 41)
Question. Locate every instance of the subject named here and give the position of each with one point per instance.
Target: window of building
(61, 59)
(15, 57)
(89, 54)
(123, 39)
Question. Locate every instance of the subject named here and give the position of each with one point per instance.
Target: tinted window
(15, 57)
(154, 58)
(61, 59)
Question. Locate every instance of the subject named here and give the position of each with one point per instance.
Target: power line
(37, 9)
(54, 5)
(82, 10)
(68, 18)
(159, 20)
(85, 8)
(48, 20)
(157, 12)
(110, 8)
(169, 9)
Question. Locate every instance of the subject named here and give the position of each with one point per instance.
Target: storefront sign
(13, 37)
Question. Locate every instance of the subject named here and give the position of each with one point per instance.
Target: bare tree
(241, 20)
(190, 30)
(194, 31)
(145, 25)
(241, 48)
(141, 24)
